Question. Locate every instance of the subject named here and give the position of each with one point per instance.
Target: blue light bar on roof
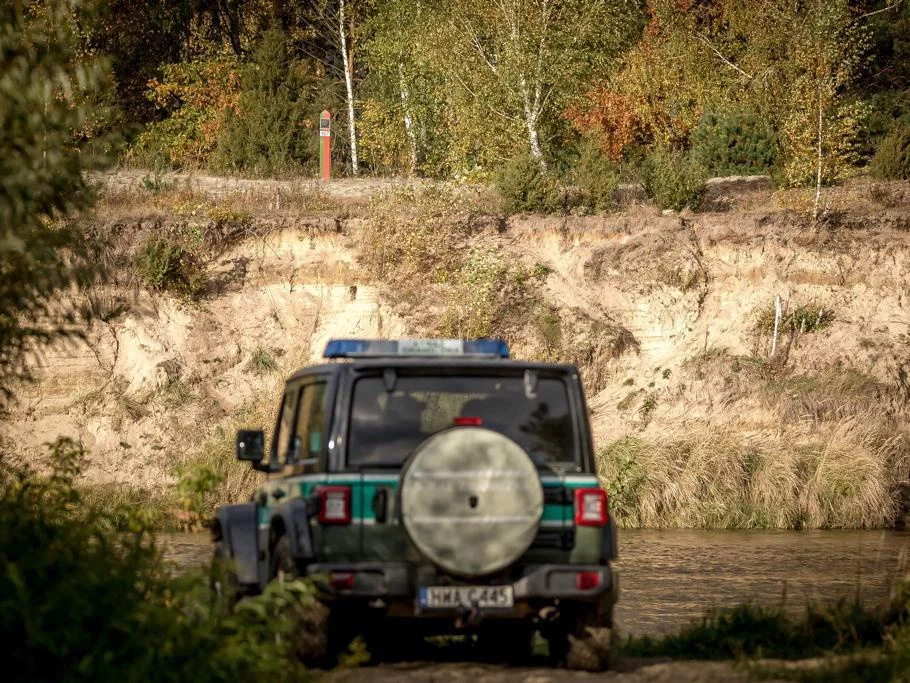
(380, 348)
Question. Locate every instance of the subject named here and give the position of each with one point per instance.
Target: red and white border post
(325, 145)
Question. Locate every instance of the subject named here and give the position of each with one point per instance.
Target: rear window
(385, 427)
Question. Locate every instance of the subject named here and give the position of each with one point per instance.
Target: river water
(668, 578)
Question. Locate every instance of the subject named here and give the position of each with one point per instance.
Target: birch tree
(820, 133)
(341, 20)
(393, 55)
(346, 59)
(405, 83)
(521, 61)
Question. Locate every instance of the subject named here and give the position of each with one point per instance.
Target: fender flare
(237, 526)
(294, 517)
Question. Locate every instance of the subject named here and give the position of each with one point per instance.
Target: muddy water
(669, 578)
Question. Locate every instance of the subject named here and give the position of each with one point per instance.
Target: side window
(282, 441)
(311, 425)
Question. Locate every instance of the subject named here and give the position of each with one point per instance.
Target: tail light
(467, 421)
(585, 581)
(341, 581)
(334, 504)
(590, 507)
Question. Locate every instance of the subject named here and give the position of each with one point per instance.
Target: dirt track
(683, 672)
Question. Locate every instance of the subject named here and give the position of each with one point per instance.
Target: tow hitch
(468, 617)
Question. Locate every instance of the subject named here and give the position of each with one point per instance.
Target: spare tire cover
(471, 500)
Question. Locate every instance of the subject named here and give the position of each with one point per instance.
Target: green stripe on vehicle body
(368, 484)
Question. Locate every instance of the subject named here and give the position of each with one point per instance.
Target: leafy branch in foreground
(82, 602)
(44, 91)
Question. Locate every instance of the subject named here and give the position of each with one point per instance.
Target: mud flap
(296, 517)
(238, 524)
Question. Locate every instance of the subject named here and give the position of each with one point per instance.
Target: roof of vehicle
(447, 363)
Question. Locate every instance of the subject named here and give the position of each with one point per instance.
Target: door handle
(381, 505)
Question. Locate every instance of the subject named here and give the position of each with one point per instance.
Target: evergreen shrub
(596, 178)
(267, 133)
(735, 143)
(673, 179)
(892, 158)
(526, 187)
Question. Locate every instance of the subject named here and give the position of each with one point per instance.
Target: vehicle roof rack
(385, 348)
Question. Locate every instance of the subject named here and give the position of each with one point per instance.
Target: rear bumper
(400, 582)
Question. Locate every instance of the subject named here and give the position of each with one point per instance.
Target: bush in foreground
(46, 88)
(81, 602)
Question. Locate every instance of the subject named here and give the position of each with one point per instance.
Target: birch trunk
(349, 86)
(408, 119)
(531, 116)
(818, 176)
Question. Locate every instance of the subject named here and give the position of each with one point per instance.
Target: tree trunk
(818, 175)
(531, 116)
(349, 86)
(408, 119)
(534, 140)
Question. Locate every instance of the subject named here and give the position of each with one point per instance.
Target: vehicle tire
(393, 642)
(332, 638)
(343, 625)
(506, 642)
(583, 640)
(282, 561)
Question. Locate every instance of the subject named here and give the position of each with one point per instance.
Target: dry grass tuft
(275, 200)
(712, 476)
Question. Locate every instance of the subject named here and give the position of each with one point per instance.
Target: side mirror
(251, 445)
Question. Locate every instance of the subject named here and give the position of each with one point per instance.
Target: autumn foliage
(611, 119)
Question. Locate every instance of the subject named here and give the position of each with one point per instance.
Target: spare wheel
(471, 500)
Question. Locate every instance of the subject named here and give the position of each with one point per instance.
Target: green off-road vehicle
(435, 487)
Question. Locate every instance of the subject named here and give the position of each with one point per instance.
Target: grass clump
(527, 187)
(673, 179)
(417, 234)
(892, 158)
(768, 632)
(84, 602)
(119, 506)
(488, 297)
(845, 476)
(210, 475)
(261, 362)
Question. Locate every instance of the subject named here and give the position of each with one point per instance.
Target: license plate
(489, 597)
